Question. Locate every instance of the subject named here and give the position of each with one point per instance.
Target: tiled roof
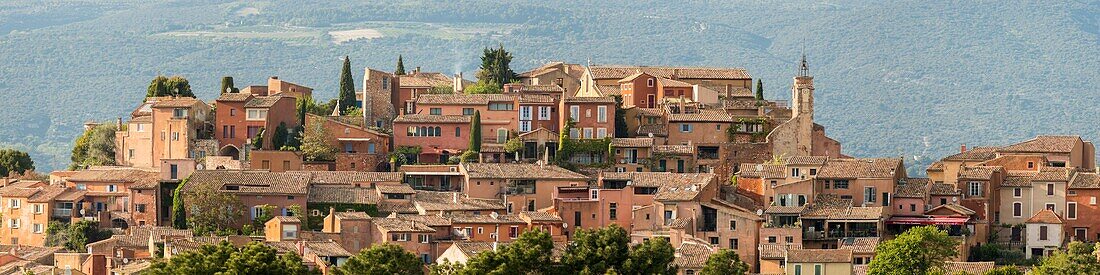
(1085, 180)
(424, 80)
(692, 255)
(399, 225)
(536, 216)
(590, 99)
(651, 112)
(954, 207)
(530, 98)
(140, 179)
(519, 171)
(452, 99)
(453, 201)
(655, 129)
(619, 72)
(665, 82)
(342, 194)
(859, 168)
(807, 160)
(830, 206)
(910, 190)
(951, 267)
(179, 102)
(30, 253)
(1049, 174)
(632, 142)
(704, 115)
(609, 90)
(395, 189)
(234, 97)
(545, 88)
(862, 245)
(1045, 144)
(487, 219)
(1045, 216)
(251, 182)
(473, 248)
(674, 149)
(683, 186)
(776, 209)
(977, 153)
(492, 148)
(943, 189)
(935, 166)
(397, 206)
(765, 171)
(352, 177)
(658, 179)
(421, 118)
(352, 215)
(428, 220)
(775, 251)
(264, 101)
(574, 70)
(1018, 179)
(326, 249)
(978, 172)
(819, 256)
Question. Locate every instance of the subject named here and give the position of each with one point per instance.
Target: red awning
(928, 220)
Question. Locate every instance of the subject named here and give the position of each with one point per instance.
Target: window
(232, 131)
(179, 113)
(1043, 232)
(788, 239)
(1017, 209)
(817, 269)
(290, 231)
(435, 111)
(467, 111)
(1030, 164)
(587, 133)
(37, 208)
(912, 207)
(1017, 192)
(37, 228)
(13, 203)
(458, 131)
(575, 113)
(524, 125)
(14, 223)
(401, 237)
(1071, 211)
(649, 82)
(140, 127)
(771, 239)
(525, 113)
(544, 112)
(797, 269)
(480, 230)
(81, 187)
(613, 210)
(840, 184)
(513, 232)
(502, 135)
(574, 133)
(813, 172)
(685, 128)
(500, 106)
(370, 148)
(1092, 201)
(424, 238)
(975, 189)
(601, 132)
(869, 194)
(733, 225)
(256, 114)
(1050, 189)
(795, 172)
(140, 208)
(1051, 206)
(601, 113)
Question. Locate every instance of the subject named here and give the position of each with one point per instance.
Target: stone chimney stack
(416, 70)
(458, 85)
(962, 148)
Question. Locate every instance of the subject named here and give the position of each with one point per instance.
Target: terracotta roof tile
(774, 251)
(424, 80)
(529, 98)
(665, 82)
(954, 207)
(1018, 178)
(609, 90)
(452, 99)
(265, 101)
(492, 218)
(776, 209)
(352, 177)
(979, 172)
(250, 182)
(943, 189)
(179, 102)
(234, 97)
(519, 171)
(935, 166)
(911, 190)
(342, 194)
(704, 115)
(831, 206)
(352, 215)
(536, 216)
(399, 225)
(655, 129)
(819, 256)
(658, 179)
(859, 168)
(632, 142)
(977, 153)
(807, 160)
(1085, 181)
(138, 178)
(951, 267)
(392, 206)
(674, 149)
(1049, 174)
(395, 189)
(619, 72)
(862, 245)
(454, 201)
(1045, 144)
(692, 255)
(590, 99)
(421, 118)
(765, 171)
(683, 186)
(574, 70)
(1045, 216)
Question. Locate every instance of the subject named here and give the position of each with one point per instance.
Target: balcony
(62, 213)
(836, 234)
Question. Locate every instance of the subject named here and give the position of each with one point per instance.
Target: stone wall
(358, 162)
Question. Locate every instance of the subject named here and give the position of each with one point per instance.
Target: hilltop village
(690, 156)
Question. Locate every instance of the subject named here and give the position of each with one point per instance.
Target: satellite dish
(954, 199)
(199, 166)
(759, 212)
(564, 225)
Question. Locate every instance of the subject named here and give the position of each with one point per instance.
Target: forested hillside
(912, 78)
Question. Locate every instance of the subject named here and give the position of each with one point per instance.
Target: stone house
(1044, 233)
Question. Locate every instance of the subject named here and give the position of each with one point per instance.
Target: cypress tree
(400, 66)
(475, 132)
(759, 90)
(347, 87)
(179, 215)
(227, 85)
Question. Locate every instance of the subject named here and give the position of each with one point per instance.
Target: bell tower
(802, 93)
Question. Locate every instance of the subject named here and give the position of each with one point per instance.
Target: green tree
(179, 213)
(514, 145)
(653, 256)
(264, 213)
(347, 87)
(759, 90)
(917, 251)
(14, 162)
(211, 210)
(400, 66)
(725, 262)
(445, 268)
(74, 236)
(594, 251)
(169, 86)
(281, 135)
(208, 259)
(475, 133)
(224, 259)
(95, 146)
(620, 118)
(1077, 259)
(482, 88)
(381, 259)
(442, 89)
(227, 85)
(530, 254)
(315, 146)
(258, 140)
(495, 67)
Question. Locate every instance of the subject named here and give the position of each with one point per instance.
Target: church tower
(802, 93)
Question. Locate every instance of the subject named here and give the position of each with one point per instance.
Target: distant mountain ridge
(912, 78)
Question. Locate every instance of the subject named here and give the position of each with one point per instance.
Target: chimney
(494, 245)
(332, 213)
(458, 85)
(301, 247)
(275, 77)
(454, 197)
(962, 149)
(417, 70)
(118, 124)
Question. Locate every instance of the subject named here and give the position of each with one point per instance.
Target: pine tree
(475, 133)
(347, 87)
(227, 85)
(759, 90)
(495, 68)
(400, 66)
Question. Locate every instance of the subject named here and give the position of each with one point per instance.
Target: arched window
(424, 131)
(438, 131)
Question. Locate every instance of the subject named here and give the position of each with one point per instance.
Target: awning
(353, 139)
(928, 220)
